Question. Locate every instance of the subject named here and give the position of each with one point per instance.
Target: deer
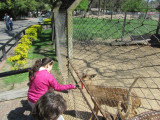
(149, 115)
(110, 96)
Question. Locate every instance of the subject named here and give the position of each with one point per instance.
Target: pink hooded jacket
(41, 84)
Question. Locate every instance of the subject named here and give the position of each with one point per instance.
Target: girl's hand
(77, 86)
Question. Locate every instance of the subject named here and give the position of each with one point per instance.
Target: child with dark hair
(50, 106)
(41, 80)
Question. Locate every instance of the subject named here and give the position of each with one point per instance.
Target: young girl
(40, 80)
(50, 106)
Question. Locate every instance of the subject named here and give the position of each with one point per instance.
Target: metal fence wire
(109, 50)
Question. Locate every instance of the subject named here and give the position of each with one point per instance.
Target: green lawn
(90, 28)
(42, 47)
(15, 78)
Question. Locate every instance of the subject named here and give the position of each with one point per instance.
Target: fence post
(157, 31)
(56, 12)
(70, 31)
(24, 32)
(70, 27)
(16, 41)
(4, 52)
(69, 34)
(124, 24)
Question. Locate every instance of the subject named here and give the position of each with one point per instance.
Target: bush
(38, 27)
(33, 31)
(21, 51)
(47, 21)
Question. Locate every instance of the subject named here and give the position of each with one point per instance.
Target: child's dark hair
(37, 65)
(49, 107)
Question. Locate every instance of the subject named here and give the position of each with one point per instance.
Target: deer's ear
(93, 75)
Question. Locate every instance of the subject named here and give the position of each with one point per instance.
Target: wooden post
(99, 7)
(69, 34)
(104, 7)
(124, 24)
(70, 27)
(16, 41)
(56, 11)
(4, 52)
(157, 31)
(24, 32)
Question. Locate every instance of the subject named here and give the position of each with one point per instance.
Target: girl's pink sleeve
(56, 86)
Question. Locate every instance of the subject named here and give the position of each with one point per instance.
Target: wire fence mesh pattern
(110, 51)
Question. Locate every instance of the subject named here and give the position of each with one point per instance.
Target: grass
(42, 47)
(15, 79)
(90, 28)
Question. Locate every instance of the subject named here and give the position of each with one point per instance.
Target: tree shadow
(42, 46)
(155, 40)
(83, 115)
(19, 113)
(140, 37)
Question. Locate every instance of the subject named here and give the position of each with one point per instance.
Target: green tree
(134, 6)
(2, 5)
(18, 7)
(43, 4)
(83, 5)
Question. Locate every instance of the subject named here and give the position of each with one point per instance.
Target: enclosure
(118, 47)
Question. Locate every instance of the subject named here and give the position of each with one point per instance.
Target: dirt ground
(118, 66)
(115, 66)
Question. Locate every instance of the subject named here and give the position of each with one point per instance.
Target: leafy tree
(2, 5)
(18, 7)
(134, 6)
(43, 4)
(111, 5)
(83, 5)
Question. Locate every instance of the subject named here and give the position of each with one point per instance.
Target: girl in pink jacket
(40, 80)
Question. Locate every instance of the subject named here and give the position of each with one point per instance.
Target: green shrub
(31, 33)
(21, 51)
(38, 27)
(47, 21)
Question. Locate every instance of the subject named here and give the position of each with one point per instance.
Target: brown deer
(110, 96)
(149, 115)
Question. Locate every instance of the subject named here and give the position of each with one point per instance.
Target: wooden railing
(5, 48)
(14, 72)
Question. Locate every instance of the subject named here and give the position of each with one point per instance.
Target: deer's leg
(95, 110)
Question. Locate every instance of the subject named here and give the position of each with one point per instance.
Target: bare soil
(118, 66)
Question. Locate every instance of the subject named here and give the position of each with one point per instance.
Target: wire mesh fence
(118, 47)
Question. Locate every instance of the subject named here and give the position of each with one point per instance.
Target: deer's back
(110, 96)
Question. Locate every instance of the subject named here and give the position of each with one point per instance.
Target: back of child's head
(49, 107)
(37, 65)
